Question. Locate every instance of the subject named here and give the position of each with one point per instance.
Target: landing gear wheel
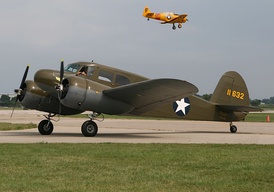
(173, 27)
(180, 25)
(45, 127)
(233, 129)
(89, 128)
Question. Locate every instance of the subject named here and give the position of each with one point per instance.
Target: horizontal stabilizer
(146, 95)
(239, 108)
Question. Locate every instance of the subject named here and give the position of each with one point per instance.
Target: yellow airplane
(166, 17)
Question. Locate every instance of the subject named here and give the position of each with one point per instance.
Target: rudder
(231, 90)
(146, 11)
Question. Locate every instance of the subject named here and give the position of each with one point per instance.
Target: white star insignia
(181, 106)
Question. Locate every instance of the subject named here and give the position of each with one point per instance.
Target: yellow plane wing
(147, 95)
(179, 19)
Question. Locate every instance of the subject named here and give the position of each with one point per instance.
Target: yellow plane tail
(146, 11)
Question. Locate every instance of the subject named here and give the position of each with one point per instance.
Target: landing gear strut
(233, 128)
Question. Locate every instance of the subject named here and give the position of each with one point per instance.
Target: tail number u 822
(235, 94)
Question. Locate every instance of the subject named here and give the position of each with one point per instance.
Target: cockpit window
(72, 68)
(86, 70)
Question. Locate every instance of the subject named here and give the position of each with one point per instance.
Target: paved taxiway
(67, 130)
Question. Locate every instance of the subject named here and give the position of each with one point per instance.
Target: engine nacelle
(83, 94)
(31, 95)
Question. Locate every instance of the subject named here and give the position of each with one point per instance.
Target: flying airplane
(100, 89)
(166, 17)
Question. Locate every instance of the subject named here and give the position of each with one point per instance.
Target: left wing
(150, 94)
(179, 19)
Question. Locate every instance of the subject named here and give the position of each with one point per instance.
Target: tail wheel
(45, 127)
(89, 128)
(233, 129)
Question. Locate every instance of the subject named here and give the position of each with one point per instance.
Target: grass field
(16, 126)
(259, 117)
(136, 167)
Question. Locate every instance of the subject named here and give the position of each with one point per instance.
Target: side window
(105, 76)
(121, 80)
(90, 71)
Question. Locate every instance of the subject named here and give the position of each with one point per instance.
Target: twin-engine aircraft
(88, 86)
(166, 17)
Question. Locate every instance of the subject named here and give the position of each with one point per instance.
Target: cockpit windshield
(72, 68)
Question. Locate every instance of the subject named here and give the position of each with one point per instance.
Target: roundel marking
(181, 107)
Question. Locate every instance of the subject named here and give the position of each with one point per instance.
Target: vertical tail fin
(146, 11)
(231, 90)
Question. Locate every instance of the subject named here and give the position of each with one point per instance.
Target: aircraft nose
(47, 79)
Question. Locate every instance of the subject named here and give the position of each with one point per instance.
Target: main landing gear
(179, 26)
(89, 128)
(45, 127)
(233, 128)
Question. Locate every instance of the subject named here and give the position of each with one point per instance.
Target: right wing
(149, 94)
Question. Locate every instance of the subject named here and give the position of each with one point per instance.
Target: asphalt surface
(68, 130)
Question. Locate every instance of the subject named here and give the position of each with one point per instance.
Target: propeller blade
(61, 71)
(18, 91)
(14, 107)
(61, 86)
(24, 77)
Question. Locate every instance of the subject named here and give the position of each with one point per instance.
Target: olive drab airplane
(88, 86)
(166, 17)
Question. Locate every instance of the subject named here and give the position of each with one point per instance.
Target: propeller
(19, 91)
(59, 88)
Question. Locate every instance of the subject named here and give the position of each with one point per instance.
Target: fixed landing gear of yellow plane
(180, 25)
(233, 128)
(173, 27)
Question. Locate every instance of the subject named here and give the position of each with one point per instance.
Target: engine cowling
(83, 94)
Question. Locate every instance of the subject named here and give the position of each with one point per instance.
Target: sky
(220, 36)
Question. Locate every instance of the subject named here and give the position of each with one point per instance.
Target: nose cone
(47, 79)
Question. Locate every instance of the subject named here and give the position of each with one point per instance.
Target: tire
(45, 127)
(89, 128)
(233, 129)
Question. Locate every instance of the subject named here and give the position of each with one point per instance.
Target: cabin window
(72, 68)
(105, 76)
(121, 80)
